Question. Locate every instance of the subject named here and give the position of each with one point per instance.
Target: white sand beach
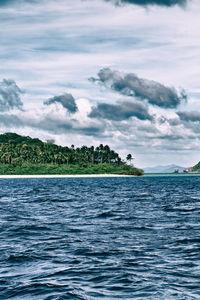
(63, 176)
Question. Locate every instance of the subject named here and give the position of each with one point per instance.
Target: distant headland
(194, 169)
(23, 155)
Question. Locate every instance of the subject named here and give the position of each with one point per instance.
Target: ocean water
(100, 238)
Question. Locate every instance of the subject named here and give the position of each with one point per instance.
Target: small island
(20, 155)
(195, 169)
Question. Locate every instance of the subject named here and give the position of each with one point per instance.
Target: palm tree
(107, 153)
(129, 158)
(92, 154)
(101, 148)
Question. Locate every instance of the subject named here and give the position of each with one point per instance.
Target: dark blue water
(100, 238)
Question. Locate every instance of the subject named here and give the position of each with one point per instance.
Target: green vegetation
(21, 155)
(196, 168)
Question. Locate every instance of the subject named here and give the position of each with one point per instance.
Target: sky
(124, 73)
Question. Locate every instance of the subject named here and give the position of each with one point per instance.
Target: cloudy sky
(124, 73)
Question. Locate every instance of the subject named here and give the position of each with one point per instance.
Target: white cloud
(53, 47)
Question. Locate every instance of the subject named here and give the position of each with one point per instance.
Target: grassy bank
(64, 169)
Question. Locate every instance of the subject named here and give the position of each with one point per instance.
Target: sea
(100, 238)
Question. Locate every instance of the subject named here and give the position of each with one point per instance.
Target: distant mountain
(164, 169)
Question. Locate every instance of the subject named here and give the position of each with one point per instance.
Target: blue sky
(54, 57)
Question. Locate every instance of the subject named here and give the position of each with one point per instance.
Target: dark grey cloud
(7, 2)
(57, 126)
(121, 111)
(170, 137)
(67, 101)
(52, 125)
(91, 130)
(166, 3)
(193, 116)
(131, 85)
(9, 95)
(11, 120)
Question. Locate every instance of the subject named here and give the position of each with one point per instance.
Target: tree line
(17, 149)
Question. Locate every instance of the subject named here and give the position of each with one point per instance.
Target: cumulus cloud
(9, 95)
(167, 3)
(67, 101)
(193, 116)
(131, 85)
(121, 111)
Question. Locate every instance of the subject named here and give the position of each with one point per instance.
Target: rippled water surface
(100, 238)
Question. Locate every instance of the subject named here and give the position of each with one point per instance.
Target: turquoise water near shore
(170, 174)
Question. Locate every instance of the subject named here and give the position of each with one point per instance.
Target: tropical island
(23, 155)
(195, 169)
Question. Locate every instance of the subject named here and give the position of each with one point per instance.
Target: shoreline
(65, 176)
(94, 176)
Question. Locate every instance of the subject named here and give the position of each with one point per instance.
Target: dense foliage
(20, 155)
(44, 169)
(196, 168)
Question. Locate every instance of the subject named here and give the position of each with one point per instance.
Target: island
(23, 155)
(195, 169)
